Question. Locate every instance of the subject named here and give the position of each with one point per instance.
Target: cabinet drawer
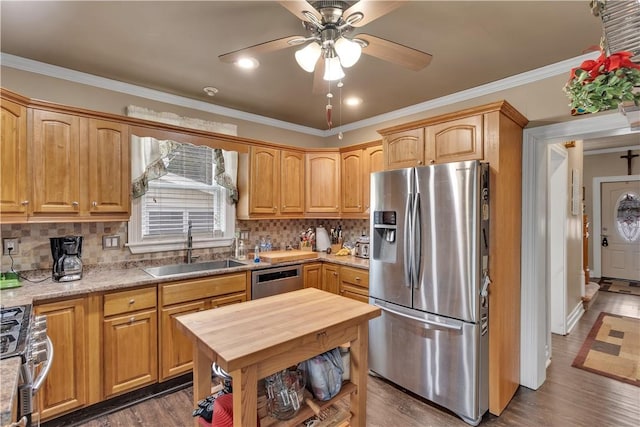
(355, 276)
(208, 287)
(129, 301)
(228, 299)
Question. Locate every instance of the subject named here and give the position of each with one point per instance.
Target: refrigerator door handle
(433, 324)
(417, 241)
(407, 259)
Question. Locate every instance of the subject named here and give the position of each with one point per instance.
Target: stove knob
(39, 335)
(40, 320)
(39, 356)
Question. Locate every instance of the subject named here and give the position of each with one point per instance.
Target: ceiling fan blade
(298, 6)
(371, 10)
(258, 49)
(410, 58)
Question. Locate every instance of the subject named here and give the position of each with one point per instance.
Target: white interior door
(620, 237)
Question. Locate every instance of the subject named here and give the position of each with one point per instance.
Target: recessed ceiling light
(247, 63)
(210, 90)
(352, 101)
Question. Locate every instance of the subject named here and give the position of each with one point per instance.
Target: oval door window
(627, 214)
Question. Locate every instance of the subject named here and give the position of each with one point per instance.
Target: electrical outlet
(10, 246)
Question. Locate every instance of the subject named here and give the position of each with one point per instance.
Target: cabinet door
(354, 283)
(373, 162)
(455, 141)
(56, 163)
(351, 164)
(13, 152)
(65, 388)
(130, 352)
(311, 274)
(322, 183)
(404, 149)
(109, 169)
(291, 182)
(264, 164)
(176, 350)
(330, 278)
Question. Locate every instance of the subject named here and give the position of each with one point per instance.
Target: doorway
(534, 330)
(619, 227)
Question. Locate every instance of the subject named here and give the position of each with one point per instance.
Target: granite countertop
(107, 278)
(9, 373)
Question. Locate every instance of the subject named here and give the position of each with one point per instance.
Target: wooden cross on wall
(629, 157)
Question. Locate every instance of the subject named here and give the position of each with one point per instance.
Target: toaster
(362, 247)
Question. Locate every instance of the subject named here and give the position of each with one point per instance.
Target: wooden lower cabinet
(354, 283)
(188, 296)
(65, 388)
(312, 275)
(130, 340)
(330, 278)
(130, 352)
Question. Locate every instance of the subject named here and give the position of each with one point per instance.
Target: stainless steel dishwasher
(274, 281)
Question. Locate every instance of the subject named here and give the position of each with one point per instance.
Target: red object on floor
(222, 413)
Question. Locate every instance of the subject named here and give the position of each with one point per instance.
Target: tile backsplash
(34, 252)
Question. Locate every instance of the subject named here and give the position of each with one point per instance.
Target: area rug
(612, 348)
(619, 286)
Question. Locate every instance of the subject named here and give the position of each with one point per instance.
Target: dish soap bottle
(242, 252)
(256, 254)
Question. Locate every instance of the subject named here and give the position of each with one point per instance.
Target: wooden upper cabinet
(404, 149)
(291, 182)
(352, 166)
(109, 170)
(454, 141)
(14, 178)
(373, 162)
(56, 163)
(322, 183)
(264, 164)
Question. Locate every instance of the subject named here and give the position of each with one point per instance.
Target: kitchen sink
(171, 270)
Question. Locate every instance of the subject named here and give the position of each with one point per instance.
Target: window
(627, 213)
(187, 193)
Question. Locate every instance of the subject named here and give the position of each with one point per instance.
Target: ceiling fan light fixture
(348, 51)
(332, 69)
(247, 63)
(308, 56)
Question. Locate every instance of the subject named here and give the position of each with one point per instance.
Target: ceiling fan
(329, 25)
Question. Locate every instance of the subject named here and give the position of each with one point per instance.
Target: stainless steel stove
(14, 331)
(24, 335)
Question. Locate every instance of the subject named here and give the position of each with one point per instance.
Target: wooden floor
(569, 397)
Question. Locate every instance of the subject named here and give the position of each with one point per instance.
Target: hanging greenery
(603, 84)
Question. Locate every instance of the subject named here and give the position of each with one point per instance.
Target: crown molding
(611, 150)
(55, 71)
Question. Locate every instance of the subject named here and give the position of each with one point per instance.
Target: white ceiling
(174, 47)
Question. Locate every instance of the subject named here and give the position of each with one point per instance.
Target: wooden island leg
(201, 377)
(245, 397)
(359, 375)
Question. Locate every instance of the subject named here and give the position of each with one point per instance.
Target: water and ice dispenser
(384, 236)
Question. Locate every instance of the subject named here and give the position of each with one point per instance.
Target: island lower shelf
(307, 410)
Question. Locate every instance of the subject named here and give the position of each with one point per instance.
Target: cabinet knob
(419, 162)
(25, 202)
(432, 161)
(132, 301)
(274, 209)
(357, 278)
(335, 274)
(131, 320)
(94, 204)
(284, 206)
(75, 204)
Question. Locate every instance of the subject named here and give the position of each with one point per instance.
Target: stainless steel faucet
(189, 243)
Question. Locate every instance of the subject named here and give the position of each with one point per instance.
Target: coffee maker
(66, 252)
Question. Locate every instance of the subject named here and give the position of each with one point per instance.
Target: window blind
(186, 193)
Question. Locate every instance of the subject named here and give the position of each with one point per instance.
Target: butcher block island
(258, 338)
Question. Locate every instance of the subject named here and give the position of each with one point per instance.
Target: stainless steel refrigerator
(429, 275)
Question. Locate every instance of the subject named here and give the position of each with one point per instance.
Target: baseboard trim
(574, 316)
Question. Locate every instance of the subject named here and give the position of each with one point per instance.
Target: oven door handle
(37, 383)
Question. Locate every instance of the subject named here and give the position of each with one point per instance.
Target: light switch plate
(111, 242)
